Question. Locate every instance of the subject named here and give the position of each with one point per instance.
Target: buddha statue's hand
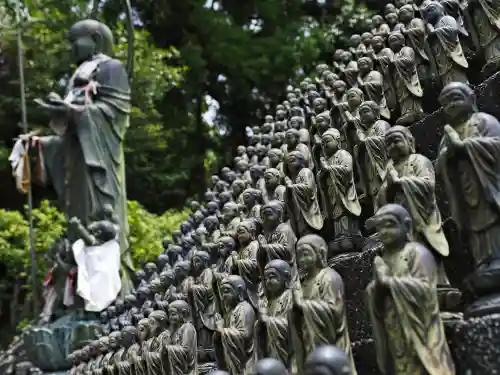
(453, 139)
(381, 270)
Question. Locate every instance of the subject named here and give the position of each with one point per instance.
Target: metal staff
(24, 123)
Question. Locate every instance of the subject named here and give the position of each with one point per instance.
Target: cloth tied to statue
(50, 292)
(98, 281)
(19, 161)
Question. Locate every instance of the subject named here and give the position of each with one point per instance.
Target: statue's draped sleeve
(405, 66)
(180, 356)
(322, 317)
(415, 298)
(415, 34)
(202, 299)
(281, 244)
(447, 36)
(236, 340)
(482, 150)
(339, 183)
(302, 194)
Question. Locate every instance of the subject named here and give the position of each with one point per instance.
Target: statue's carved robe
(99, 366)
(112, 365)
(245, 265)
(302, 205)
(126, 365)
(85, 162)
(447, 51)
(406, 82)
(415, 38)
(322, 320)
(383, 59)
(276, 194)
(382, 30)
(371, 157)
(372, 84)
(408, 331)
(151, 354)
(472, 184)
(486, 18)
(234, 343)
(338, 193)
(280, 244)
(272, 334)
(179, 351)
(350, 74)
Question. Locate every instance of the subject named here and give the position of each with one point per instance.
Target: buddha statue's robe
(302, 205)
(339, 199)
(152, 354)
(472, 184)
(138, 361)
(85, 160)
(322, 319)
(179, 351)
(415, 39)
(383, 59)
(406, 82)
(486, 18)
(372, 84)
(445, 45)
(108, 358)
(408, 331)
(272, 332)
(371, 157)
(112, 365)
(234, 343)
(350, 74)
(280, 244)
(245, 265)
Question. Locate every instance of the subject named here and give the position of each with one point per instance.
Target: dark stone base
(475, 345)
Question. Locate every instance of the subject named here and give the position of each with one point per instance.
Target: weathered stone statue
(272, 332)
(371, 82)
(201, 299)
(179, 356)
(370, 151)
(233, 338)
(230, 218)
(339, 200)
(87, 175)
(158, 321)
(379, 27)
(252, 200)
(328, 360)
(468, 163)
(128, 348)
(113, 347)
(278, 240)
(406, 80)
(403, 301)
(318, 314)
(243, 262)
(444, 43)
(103, 348)
(382, 57)
(302, 207)
(350, 72)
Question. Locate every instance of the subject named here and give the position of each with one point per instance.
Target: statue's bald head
(98, 31)
(269, 366)
(328, 360)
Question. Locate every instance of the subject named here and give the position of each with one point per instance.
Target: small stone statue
(128, 347)
(468, 163)
(340, 205)
(114, 324)
(318, 314)
(226, 245)
(114, 346)
(403, 301)
(179, 347)
(278, 240)
(151, 348)
(379, 27)
(269, 366)
(233, 337)
(406, 80)
(252, 200)
(272, 332)
(137, 360)
(230, 218)
(370, 151)
(328, 360)
(243, 262)
(444, 43)
(372, 83)
(350, 72)
(302, 207)
(151, 271)
(383, 57)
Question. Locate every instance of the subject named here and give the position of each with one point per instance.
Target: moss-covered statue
(84, 158)
(403, 301)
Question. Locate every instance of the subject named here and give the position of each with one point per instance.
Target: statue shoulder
(421, 159)
(420, 254)
(487, 124)
(329, 275)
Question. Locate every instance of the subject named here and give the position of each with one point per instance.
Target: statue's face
(346, 57)
(83, 48)
(120, 305)
(243, 234)
(366, 115)
(255, 130)
(228, 212)
(104, 316)
(273, 281)
(392, 19)
(329, 144)
(240, 150)
(306, 257)
(225, 248)
(274, 159)
(153, 325)
(339, 87)
(250, 151)
(353, 99)
(397, 146)
(290, 139)
(396, 43)
(377, 43)
(405, 15)
(363, 65)
(390, 230)
(180, 272)
(228, 293)
(377, 20)
(265, 140)
(355, 40)
(197, 263)
(270, 216)
(433, 13)
(167, 278)
(294, 161)
(113, 341)
(278, 139)
(366, 38)
(214, 179)
(247, 198)
(319, 104)
(456, 104)
(322, 123)
(174, 315)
